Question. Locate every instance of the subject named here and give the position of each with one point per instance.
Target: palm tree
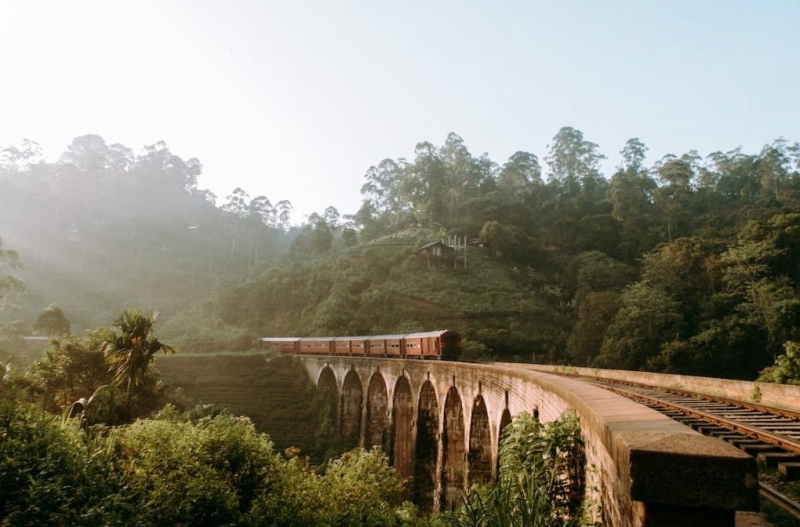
(133, 349)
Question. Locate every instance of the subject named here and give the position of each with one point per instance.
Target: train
(437, 345)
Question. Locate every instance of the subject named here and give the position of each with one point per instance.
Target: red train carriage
(350, 346)
(316, 345)
(442, 344)
(386, 346)
(285, 344)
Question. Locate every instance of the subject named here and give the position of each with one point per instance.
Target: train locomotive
(438, 345)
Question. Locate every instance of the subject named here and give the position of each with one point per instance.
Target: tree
(465, 176)
(573, 161)
(425, 188)
(52, 321)
(508, 241)
(541, 479)
(631, 193)
(687, 269)
(648, 317)
(735, 175)
(594, 271)
(633, 155)
(72, 367)
(786, 369)
(174, 173)
(760, 273)
(133, 350)
(13, 159)
(383, 190)
(237, 205)
(595, 313)
(520, 176)
(360, 488)
(283, 214)
(87, 153)
(10, 285)
(773, 167)
(676, 175)
(315, 238)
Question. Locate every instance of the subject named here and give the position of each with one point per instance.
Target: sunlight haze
(296, 100)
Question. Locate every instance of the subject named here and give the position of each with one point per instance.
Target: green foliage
(13, 347)
(228, 461)
(193, 331)
(786, 369)
(648, 317)
(541, 480)
(114, 228)
(72, 367)
(717, 237)
(594, 271)
(360, 488)
(133, 349)
(86, 374)
(595, 313)
(52, 322)
(11, 287)
(203, 467)
(474, 351)
(51, 473)
(74, 376)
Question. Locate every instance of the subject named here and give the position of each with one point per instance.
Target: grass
(271, 389)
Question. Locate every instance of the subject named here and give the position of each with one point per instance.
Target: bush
(51, 473)
(203, 467)
(206, 472)
(541, 480)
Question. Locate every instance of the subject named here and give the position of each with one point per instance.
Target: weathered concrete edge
(664, 461)
(780, 395)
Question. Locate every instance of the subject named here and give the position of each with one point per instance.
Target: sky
(296, 99)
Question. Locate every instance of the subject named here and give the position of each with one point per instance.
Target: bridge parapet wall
(780, 395)
(645, 469)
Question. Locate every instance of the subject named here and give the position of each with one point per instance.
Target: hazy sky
(296, 99)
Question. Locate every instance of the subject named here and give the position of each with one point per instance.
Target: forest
(688, 264)
(91, 436)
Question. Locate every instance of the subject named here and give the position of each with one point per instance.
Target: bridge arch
(377, 426)
(426, 447)
(401, 453)
(328, 389)
(352, 400)
(454, 450)
(505, 420)
(479, 458)
(644, 464)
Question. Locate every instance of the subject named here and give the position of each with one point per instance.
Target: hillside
(274, 392)
(690, 265)
(388, 286)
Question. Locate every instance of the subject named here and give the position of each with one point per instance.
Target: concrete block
(790, 470)
(771, 459)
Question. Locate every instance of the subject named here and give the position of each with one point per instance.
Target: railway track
(770, 434)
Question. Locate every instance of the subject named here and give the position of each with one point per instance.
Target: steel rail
(751, 431)
(779, 499)
(768, 492)
(774, 410)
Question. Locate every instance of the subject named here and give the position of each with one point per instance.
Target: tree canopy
(688, 263)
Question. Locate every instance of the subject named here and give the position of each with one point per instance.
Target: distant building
(437, 254)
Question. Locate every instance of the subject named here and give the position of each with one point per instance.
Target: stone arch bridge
(440, 424)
